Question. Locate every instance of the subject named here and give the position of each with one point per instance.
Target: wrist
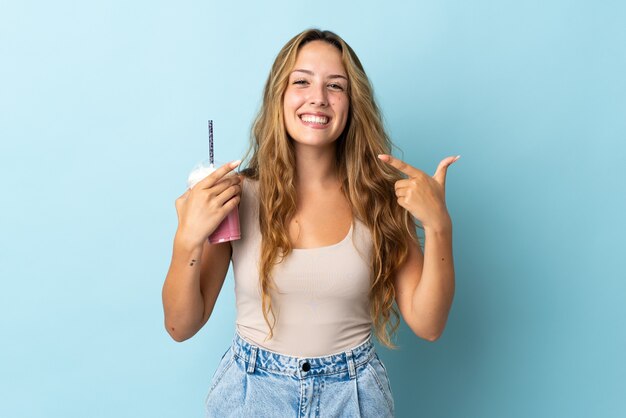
(184, 242)
(441, 226)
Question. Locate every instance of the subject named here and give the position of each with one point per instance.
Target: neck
(315, 167)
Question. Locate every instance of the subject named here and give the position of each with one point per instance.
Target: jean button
(306, 366)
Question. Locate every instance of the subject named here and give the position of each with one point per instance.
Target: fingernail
(235, 163)
(381, 155)
(457, 157)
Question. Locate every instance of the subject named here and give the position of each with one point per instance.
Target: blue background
(103, 109)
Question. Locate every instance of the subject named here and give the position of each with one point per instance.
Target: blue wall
(103, 109)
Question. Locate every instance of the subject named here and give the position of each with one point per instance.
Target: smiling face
(316, 101)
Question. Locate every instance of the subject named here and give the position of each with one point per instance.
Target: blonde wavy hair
(366, 182)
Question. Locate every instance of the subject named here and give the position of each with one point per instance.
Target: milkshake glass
(228, 229)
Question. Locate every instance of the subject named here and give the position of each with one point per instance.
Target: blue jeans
(254, 382)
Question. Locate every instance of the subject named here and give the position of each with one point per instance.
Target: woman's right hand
(202, 208)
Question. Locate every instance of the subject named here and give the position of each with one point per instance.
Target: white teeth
(322, 120)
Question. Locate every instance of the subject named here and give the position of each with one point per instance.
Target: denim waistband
(345, 361)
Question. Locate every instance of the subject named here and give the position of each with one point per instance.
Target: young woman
(328, 245)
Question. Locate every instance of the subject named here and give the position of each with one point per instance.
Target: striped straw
(211, 142)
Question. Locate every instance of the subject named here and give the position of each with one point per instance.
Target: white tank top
(322, 304)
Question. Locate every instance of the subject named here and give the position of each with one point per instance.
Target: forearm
(433, 295)
(182, 298)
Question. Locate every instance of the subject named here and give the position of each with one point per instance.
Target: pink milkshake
(228, 229)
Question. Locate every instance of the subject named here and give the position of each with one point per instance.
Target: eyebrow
(330, 76)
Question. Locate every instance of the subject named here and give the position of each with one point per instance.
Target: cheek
(292, 100)
(342, 105)
(290, 106)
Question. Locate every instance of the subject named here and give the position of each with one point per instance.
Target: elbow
(181, 330)
(175, 334)
(427, 335)
(177, 338)
(433, 336)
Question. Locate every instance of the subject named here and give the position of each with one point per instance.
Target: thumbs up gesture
(422, 195)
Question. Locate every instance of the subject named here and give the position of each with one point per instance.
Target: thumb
(182, 198)
(184, 195)
(442, 169)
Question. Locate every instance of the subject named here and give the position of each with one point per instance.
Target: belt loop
(351, 368)
(252, 359)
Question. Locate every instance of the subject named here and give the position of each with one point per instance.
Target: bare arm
(193, 283)
(424, 284)
(432, 298)
(198, 268)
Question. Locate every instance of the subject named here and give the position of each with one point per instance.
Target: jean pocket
(382, 379)
(384, 369)
(222, 367)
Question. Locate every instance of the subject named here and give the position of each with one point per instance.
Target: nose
(318, 95)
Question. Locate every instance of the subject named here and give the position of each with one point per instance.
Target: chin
(319, 142)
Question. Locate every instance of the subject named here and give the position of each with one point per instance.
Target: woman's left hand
(422, 195)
